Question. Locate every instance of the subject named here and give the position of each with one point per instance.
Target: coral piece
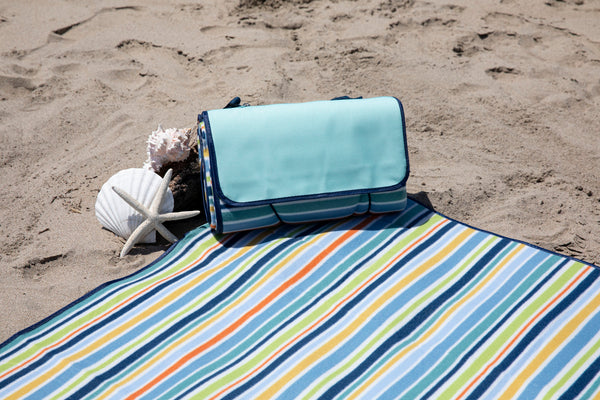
(186, 183)
(168, 146)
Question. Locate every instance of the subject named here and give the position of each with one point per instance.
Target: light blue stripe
(588, 333)
(200, 320)
(107, 292)
(388, 380)
(268, 321)
(327, 274)
(371, 325)
(228, 350)
(141, 328)
(464, 333)
(444, 356)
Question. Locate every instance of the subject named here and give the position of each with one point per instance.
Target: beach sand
(502, 102)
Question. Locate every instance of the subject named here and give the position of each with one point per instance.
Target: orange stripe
(106, 313)
(350, 296)
(182, 361)
(522, 331)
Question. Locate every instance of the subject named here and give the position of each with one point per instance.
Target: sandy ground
(502, 102)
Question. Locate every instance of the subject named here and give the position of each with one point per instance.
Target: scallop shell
(119, 217)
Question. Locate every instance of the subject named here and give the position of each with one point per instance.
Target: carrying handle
(347, 98)
(235, 102)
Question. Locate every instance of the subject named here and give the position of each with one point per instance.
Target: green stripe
(391, 325)
(167, 322)
(104, 307)
(322, 309)
(385, 197)
(490, 352)
(237, 215)
(483, 326)
(301, 302)
(432, 293)
(581, 362)
(243, 267)
(73, 308)
(308, 206)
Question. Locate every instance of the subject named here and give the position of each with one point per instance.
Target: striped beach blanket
(405, 305)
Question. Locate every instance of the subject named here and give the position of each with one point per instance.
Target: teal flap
(288, 151)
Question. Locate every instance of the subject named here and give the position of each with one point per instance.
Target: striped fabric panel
(402, 305)
(228, 218)
(391, 201)
(209, 198)
(236, 219)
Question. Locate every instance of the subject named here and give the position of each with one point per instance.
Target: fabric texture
(401, 305)
(283, 151)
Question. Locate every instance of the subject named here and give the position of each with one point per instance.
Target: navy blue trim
(218, 214)
(506, 237)
(404, 136)
(218, 193)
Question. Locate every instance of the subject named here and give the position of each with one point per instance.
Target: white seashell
(116, 215)
(167, 146)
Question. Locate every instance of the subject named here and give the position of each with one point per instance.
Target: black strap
(347, 98)
(235, 102)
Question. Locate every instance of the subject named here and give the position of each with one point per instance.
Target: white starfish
(154, 220)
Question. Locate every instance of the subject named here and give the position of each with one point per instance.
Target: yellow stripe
(158, 357)
(561, 337)
(430, 331)
(582, 361)
(159, 327)
(66, 362)
(124, 327)
(361, 351)
(365, 315)
(514, 329)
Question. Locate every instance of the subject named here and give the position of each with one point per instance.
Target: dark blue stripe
(584, 379)
(343, 311)
(76, 339)
(191, 318)
(416, 321)
(550, 316)
(298, 314)
(25, 343)
(493, 330)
